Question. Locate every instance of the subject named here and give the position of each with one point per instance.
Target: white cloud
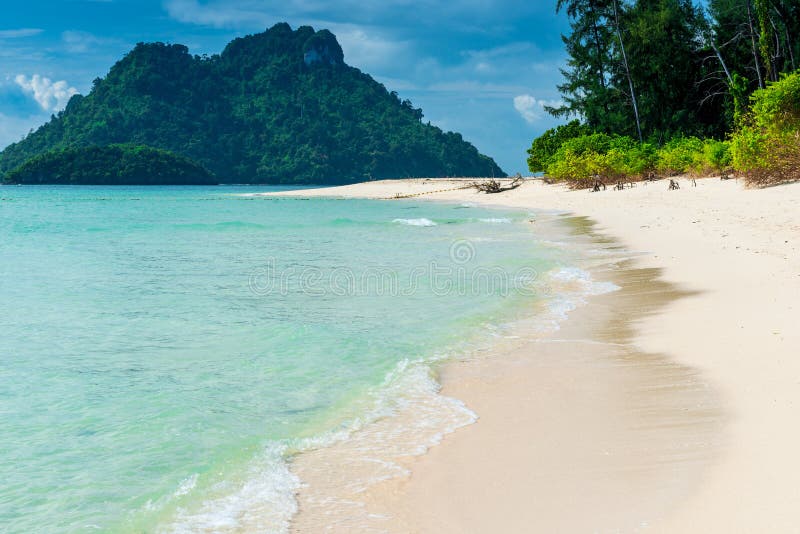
(366, 49)
(79, 42)
(51, 96)
(21, 32)
(219, 15)
(532, 109)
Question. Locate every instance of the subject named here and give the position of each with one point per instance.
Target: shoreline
(579, 431)
(735, 253)
(341, 482)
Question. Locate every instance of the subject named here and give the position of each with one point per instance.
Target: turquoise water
(162, 347)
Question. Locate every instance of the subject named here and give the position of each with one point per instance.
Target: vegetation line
(705, 89)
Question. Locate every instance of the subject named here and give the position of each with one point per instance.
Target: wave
(408, 415)
(403, 416)
(581, 281)
(568, 288)
(496, 220)
(263, 501)
(415, 222)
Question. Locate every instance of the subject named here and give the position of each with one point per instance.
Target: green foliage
(545, 146)
(587, 91)
(275, 107)
(693, 156)
(667, 67)
(716, 157)
(641, 160)
(767, 145)
(777, 107)
(579, 160)
(691, 66)
(693, 69)
(679, 155)
(110, 165)
(738, 87)
(582, 159)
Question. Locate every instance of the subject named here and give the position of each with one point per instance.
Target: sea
(166, 352)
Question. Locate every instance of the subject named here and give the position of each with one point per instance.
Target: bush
(641, 159)
(716, 156)
(680, 155)
(766, 147)
(544, 147)
(580, 159)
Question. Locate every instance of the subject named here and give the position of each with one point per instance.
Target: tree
(664, 37)
(587, 90)
(637, 69)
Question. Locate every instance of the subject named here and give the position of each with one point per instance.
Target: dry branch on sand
(494, 186)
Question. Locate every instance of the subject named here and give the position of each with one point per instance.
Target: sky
(482, 68)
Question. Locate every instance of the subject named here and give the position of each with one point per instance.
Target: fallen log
(493, 186)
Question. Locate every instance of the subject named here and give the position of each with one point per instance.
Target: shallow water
(164, 350)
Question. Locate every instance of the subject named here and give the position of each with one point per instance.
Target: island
(117, 164)
(279, 107)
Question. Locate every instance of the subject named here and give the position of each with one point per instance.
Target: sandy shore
(667, 406)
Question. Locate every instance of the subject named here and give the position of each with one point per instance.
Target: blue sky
(481, 68)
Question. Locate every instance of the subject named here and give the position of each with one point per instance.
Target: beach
(666, 406)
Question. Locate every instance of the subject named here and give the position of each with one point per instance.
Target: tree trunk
(782, 15)
(753, 43)
(721, 60)
(628, 73)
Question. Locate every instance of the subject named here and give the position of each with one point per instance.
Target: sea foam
(496, 220)
(415, 222)
(568, 288)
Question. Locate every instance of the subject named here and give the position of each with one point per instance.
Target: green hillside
(110, 165)
(274, 107)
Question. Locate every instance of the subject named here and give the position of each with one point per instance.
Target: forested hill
(110, 165)
(275, 107)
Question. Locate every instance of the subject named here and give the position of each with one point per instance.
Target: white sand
(738, 252)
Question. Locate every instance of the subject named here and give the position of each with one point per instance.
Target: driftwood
(673, 184)
(493, 186)
(598, 184)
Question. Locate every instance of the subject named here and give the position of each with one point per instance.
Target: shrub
(641, 159)
(716, 156)
(766, 147)
(544, 147)
(580, 159)
(680, 155)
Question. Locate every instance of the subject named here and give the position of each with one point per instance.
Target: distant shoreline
(733, 257)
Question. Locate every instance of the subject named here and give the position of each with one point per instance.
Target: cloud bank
(51, 96)
(21, 32)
